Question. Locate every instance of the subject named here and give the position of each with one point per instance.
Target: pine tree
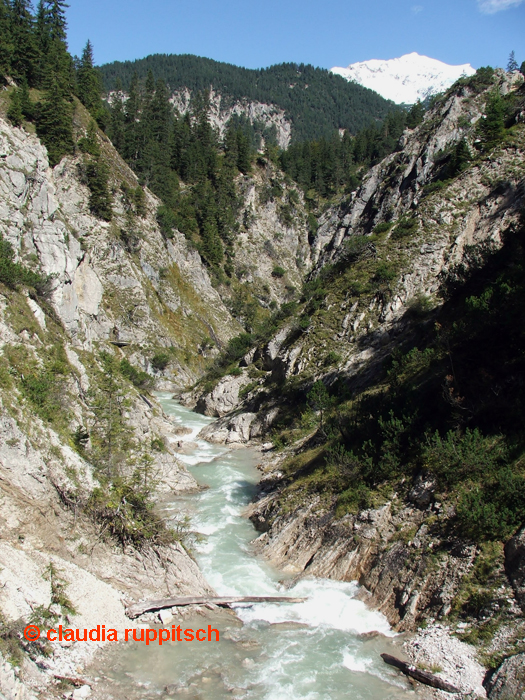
(28, 109)
(512, 64)
(244, 161)
(96, 172)
(43, 39)
(211, 246)
(55, 123)
(24, 56)
(58, 64)
(88, 83)
(57, 19)
(415, 115)
(14, 113)
(6, 46)
(493, 126)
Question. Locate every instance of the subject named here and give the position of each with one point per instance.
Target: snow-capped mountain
(406, 79)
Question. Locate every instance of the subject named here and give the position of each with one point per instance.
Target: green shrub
(167, 221)
(125, 510)
(355, 248)
(13, 274)
(278, 271)
(247, 389)
(158, 445)
(333, 358)
(160, 361)
(385, 272)
(405, 228)
(495, 509)
(304, 323)
(457, 457)
(138, 377)
(238, 346)
(383, 227)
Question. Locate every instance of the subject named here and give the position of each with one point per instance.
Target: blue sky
(325, 33)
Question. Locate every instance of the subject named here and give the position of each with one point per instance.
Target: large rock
(225, 396)
(508, 682)
(515, 564)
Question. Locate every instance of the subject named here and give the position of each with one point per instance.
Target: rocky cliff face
(158, 296)
(221, 111)
(402, 233)
(101, 296)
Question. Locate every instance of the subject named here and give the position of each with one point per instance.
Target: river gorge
(321, 649)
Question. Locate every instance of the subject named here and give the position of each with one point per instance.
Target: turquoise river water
(309, 651)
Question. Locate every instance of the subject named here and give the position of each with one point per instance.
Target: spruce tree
(28, 109)
(88, 83)
(24, 56)
(512, 64)
(97, 175)
(14, 113)
(55, 123)
(43, 39)
(6, 46)
(57, 19)
(493, 126)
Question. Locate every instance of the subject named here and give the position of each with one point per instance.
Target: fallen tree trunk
(421, 676)
(152, 605)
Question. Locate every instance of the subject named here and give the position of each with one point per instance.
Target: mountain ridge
(316, 101)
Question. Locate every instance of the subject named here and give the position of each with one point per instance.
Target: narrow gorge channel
(317, 650)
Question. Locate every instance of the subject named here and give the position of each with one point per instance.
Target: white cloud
(416, 9)
(490, 7)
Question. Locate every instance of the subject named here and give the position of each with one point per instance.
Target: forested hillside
(316, 101)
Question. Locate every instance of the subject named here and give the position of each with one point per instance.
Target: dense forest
(315, 100)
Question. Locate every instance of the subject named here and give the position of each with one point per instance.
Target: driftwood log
(418, 675)
(151, 605)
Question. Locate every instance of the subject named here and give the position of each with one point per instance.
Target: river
(307, 651)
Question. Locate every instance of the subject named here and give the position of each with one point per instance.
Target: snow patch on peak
(406, 79)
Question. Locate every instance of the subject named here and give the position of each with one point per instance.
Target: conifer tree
(14, 113)
(28, 109)
(43, 39)
(493, 126)
(244, 163)
(97, 180)
(512, 64)
(55, 123)
(24, 56)
(6, 46)
(88, 83)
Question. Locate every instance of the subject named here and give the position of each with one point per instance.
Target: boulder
(508, 681)
(515, 564)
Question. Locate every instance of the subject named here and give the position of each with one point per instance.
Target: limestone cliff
(101, 296)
